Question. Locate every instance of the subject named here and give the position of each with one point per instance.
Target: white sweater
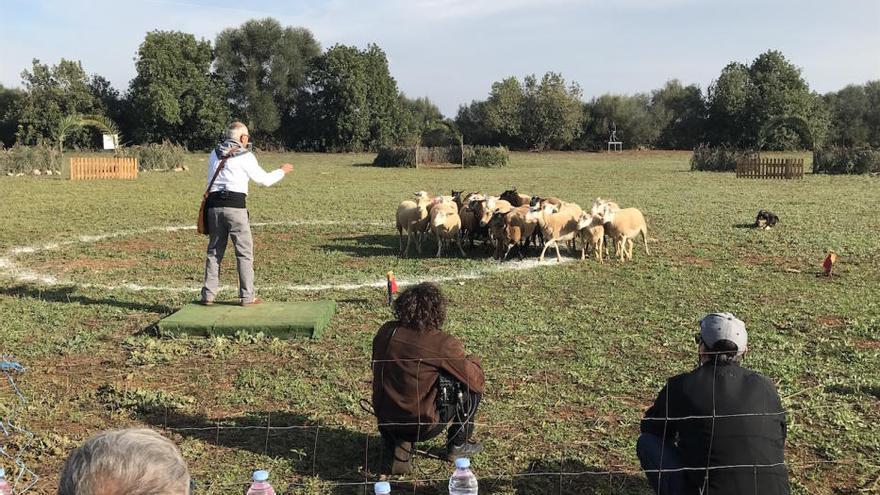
(238, 171)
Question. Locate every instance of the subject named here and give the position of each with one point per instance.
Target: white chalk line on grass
(10, 269)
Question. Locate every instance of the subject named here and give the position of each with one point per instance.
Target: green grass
(573, 353)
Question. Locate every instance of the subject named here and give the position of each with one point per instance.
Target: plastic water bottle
(463, 481)
(382, 488)
(261, 485)
(5, 489)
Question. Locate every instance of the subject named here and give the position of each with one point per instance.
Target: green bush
(486, 156)
(154, 156)
(395, 157)
(26, 159)
(474, 156)
(840, 160)
(717, 158)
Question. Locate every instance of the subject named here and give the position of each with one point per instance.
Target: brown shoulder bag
(202, 222)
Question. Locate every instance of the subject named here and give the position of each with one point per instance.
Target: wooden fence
(111, 167)
(770, 168)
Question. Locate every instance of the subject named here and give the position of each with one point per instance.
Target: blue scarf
(231, 147)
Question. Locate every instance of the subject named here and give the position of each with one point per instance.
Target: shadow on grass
(330, 453)
(850, 390)
(744, 225)
(68, 295)
(543, 476)
(366, 246)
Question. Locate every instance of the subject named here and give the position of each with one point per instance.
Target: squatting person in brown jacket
(423, 380)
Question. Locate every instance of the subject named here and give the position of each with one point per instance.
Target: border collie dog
(766, 219)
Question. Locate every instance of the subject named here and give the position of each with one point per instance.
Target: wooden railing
(84, 168)
(770, 168)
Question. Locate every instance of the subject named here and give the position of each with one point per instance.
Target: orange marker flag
(828, 264)
(392, 286)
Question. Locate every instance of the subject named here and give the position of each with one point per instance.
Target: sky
(453, 50)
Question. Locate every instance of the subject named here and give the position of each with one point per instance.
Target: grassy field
(573, 353)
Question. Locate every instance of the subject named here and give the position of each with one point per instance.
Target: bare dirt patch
(87, 264)
(833, 321)
(696, 260)
(129, 246)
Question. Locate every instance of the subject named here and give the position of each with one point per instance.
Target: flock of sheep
(514, 220)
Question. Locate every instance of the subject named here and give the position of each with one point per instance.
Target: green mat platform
(284, 320)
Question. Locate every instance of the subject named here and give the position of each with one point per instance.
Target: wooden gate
(111, 167)
(770, 168)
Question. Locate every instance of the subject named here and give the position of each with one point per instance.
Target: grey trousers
(224, 223)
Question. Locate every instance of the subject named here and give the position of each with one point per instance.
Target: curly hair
(421, 307)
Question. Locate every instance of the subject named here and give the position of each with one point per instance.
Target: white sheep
(592, 234)
(446, 225)
(412, 217)
(622, 227)
(556, 223)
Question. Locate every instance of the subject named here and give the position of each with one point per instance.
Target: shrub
(395, 157)
(486, 156)
(22, 159)
(717, 158)
(155, 156)
(840, 160)
(474, 156)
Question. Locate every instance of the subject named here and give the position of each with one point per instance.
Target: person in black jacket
(719, 429)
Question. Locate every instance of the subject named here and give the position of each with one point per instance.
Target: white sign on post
(110, 141)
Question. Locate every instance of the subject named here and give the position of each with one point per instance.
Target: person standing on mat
(230, 167)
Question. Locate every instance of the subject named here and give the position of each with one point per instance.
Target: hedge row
(156, 156)
(474, 156)
(717, 158)
(836, 160)
(29, 159)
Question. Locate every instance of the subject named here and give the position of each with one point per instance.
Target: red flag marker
(828, 264)
(392, 286)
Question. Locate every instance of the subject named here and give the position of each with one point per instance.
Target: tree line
(294, 95)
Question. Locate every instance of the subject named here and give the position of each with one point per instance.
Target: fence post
(461, 143)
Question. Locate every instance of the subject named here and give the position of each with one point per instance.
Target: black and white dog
(766, 219)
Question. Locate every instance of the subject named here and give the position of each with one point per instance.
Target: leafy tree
(51, 94)
(264, 66)
(755, 106)
(728, 101)
(855, 115)
(552, 113)
(351, 103)
(629, 114)
(680, 113)
(504, 112)
(471, 123)
(872, 116)
(174, 94)
(9, 98)
(779, 91)
(421, 115)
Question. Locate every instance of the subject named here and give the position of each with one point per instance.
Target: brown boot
(402, 462)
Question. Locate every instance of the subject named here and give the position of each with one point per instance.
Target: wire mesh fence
(278, 434)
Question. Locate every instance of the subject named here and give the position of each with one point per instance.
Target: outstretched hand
(287, 168)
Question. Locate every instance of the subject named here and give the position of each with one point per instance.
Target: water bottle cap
(382, 488)
(462, 463)
(261, 475)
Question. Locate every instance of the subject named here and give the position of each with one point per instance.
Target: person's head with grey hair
(238, 132)
(135, 461)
